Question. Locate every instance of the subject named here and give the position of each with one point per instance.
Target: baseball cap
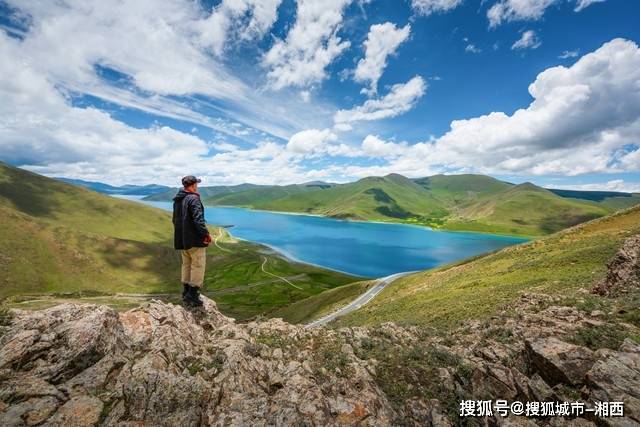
(189, 180)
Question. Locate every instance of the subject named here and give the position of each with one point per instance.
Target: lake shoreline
(367, 221)
(293, 259)
(366, 249)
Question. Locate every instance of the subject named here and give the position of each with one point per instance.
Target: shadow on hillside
(161, 264)
(22, 189)
(552, 224)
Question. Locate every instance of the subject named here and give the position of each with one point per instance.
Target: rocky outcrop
(623, 272)
(559, 362)
(616, 377)
(164, 365)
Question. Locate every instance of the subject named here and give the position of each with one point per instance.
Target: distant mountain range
(132, 190)
(456, 202)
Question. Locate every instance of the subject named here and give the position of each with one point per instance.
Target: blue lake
(362, 248)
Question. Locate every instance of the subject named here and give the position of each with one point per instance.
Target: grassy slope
(59, 238)
(460, 190)
(205, 191)
(256, 196)
(558, 264)
(56, 203)
(316, 306)
(373, 198)
(524, 209)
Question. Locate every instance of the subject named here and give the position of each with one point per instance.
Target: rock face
(623, 272)
(559, 362)
(616, 377)
(164, 365)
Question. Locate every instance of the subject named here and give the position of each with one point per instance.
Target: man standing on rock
(191, 238)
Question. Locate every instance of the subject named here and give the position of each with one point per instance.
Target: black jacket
(190, 228)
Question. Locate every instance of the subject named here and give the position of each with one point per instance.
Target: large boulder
(616, 377)
(623, 271)
(558, 361)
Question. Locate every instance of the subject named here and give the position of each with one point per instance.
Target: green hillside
(63, 241)
(524, 209)
(258, 196)
(392, 197)
(458, 190)
(558, 265)
(205, 192)
(316, 306)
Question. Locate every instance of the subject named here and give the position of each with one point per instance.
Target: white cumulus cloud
(310, 46)
(241, 20)
(517, 10)
(428, 7)
(382, 41)
(582, 4)
(310, 141)
(373, 146)
(569, 54)
(528, 40)
(526, 10)
(580, 119)
(472, 48)
(611, 185)
(400, 99)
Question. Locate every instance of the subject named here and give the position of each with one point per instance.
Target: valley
(64, 243)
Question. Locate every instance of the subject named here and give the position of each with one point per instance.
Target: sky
(279, 91)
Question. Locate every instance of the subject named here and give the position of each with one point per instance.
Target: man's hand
(207, 239)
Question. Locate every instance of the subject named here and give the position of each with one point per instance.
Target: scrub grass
(316, 306)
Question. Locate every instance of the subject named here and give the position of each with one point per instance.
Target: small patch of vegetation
(330, 357)
(601, 336)
(252, 349)
(500, 334)
(194, 368)
(217, 361)
(5, 316)
(629, 308)
(405, 372)
(570, 393)
(274, 340)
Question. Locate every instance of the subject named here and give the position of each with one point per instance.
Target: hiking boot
(185, 289)
(193, 297)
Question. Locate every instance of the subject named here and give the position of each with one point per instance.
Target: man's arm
(196, 211)
(174, 218)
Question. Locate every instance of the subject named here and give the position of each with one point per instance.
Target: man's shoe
(193, 297)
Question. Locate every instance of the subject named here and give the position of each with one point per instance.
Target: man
(191, 238)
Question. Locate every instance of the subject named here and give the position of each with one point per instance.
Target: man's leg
(198, 257)
(198, 261)
(186, 266)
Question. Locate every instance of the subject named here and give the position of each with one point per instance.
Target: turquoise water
(362, 248)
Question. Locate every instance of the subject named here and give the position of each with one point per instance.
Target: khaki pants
(193, 262)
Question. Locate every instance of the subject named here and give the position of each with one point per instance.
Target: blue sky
(278, 91)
